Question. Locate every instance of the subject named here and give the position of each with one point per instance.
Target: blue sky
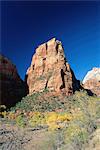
(25, 25)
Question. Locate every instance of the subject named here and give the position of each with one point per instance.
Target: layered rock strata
(50, 70)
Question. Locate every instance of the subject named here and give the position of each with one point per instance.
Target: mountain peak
(49, 69)
(92, 74)
(92, 81)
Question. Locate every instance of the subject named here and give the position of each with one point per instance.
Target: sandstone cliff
(92, 81)
(50, 70)
(12, 88)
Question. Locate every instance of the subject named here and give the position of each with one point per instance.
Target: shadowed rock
(12, 88)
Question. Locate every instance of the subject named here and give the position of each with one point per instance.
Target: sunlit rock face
(50, 70)
(12, 88)
(92, 81)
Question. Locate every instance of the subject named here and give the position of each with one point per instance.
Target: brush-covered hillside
(45, 121)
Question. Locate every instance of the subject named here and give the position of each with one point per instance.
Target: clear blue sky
(25, 25)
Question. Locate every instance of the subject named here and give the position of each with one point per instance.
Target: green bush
(20, 121)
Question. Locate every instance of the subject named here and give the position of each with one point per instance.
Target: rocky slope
(12, 88)
(50, 70)
(92, 81)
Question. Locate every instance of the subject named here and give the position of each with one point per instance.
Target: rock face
(12, 88)
(50, 70)
(92, 81)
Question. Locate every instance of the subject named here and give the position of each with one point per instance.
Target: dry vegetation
(52, 122)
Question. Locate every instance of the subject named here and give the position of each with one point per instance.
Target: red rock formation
(50, 70)
(12, 88)
(92, 81)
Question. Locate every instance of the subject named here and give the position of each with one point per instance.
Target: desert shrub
(57, 120)
(70, 132)
(11, 115)
(20, 121)
(80, 100)
(2, 111)
(52, 120)
(3, 114)
(27, 103)
(75, 135)
(37, 119)
(82, 136)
